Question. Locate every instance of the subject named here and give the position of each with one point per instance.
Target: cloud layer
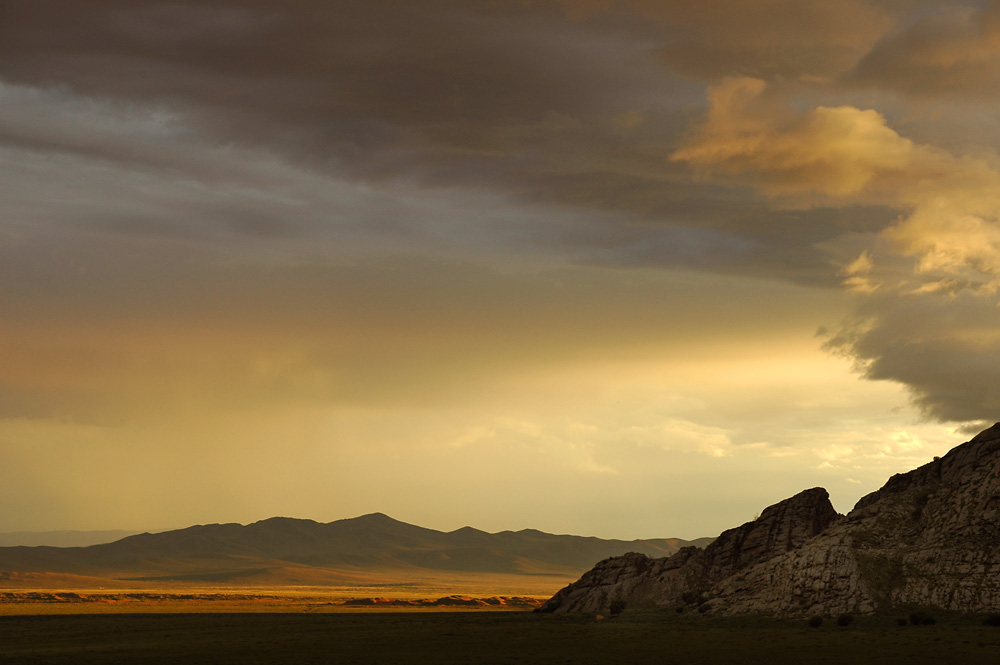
(575, 240)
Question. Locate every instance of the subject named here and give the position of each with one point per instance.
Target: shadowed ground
(485, 637)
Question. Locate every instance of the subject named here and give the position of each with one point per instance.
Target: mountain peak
(376, 516)
(988, 434)
(372, 519)
(283, 520)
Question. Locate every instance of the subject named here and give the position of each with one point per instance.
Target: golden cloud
(847, 156)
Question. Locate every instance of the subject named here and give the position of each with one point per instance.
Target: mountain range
(284, 550)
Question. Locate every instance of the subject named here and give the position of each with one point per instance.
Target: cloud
(400, 239)
(567, 109)
(185, 330)
(840, 155)
(943, 346)
(955, 50)
(922, 324)
(846, 155)
(365, 89)
(565, 103)
(789, 39)
(491, 132)
(857, 275)
(838, 152)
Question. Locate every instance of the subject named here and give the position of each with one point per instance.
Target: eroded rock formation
(928, 538)
(640, 580)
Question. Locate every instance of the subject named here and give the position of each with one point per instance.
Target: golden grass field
(36, 594)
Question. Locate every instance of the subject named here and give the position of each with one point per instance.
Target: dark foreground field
(483, 637)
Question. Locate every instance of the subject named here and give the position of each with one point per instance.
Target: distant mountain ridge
(289, 550)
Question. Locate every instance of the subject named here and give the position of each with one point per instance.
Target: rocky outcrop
(639, 580)
(928, 538)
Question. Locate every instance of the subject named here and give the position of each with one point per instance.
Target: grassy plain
(184, 623)
(483, 637)
(269, 602)
(43, 593)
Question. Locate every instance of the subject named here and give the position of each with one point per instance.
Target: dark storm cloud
(322, 80)
(944, 347)
(777, 39)
(573, 104)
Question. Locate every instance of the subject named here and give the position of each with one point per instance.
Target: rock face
(639, 580)
(929, 538)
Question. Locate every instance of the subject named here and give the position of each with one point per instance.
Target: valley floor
(485, 637)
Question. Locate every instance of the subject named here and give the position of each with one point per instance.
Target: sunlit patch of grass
(148, 601)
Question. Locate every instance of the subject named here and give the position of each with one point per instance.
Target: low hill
(284, 550)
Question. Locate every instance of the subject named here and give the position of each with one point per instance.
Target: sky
(629, 269)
